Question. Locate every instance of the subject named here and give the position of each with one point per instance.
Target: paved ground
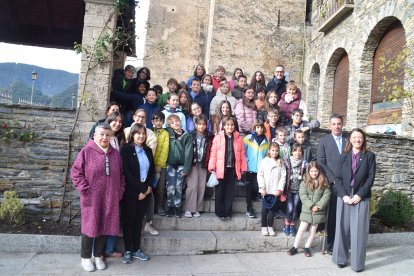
(380, 261)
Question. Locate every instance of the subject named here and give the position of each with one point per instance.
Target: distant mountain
(49, 81)
(64, 99)
(21, 91)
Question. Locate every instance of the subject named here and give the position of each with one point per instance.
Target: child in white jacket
(271, 179)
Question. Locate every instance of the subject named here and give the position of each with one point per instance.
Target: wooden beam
(383, 117)
(10, 12)
(48, 17)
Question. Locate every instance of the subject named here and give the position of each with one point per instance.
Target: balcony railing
(332, 12)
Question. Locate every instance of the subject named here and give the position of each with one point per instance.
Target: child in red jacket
(227, 160)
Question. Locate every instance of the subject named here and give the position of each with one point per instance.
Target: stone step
(189, 242)
(209, 221)
(207, 242)
(239, 205)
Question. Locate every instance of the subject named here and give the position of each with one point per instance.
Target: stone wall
(176, 38)
(36, 169)
(357, 35)
(256, 35)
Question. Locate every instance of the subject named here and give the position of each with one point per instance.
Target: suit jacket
(328, 155)
(133, 185)
(364, 175)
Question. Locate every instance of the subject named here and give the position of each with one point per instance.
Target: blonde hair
(291, 85)
(171, 118)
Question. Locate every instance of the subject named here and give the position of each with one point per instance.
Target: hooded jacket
(168, 111)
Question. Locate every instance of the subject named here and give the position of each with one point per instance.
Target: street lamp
(73, 96)
(34, 76)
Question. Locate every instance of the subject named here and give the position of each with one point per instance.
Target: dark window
(340, 88)
(390, 46)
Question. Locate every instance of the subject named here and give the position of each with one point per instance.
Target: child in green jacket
(180, 157)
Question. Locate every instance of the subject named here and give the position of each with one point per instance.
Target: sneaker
(292, 251)
(221, 218)
(196, 214)
(177, 212)
(150, 229)
(286, 230)
(170, 212)
(100, 264)
(127, 259)
(265, 232)
(271, 231)
(307, 252)
(250, 213)
(188, 214)
(292, 231)
(140, 255)
(87, 265)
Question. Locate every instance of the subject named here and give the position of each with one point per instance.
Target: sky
(68, 60)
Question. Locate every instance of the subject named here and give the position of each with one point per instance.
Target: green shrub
(11, 209)
(395, 209)
(373, 201)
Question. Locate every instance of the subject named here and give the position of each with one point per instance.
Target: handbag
(212, 180)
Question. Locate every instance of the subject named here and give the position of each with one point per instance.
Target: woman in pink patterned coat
(97, 176)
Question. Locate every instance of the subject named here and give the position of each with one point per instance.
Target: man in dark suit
(329, 150)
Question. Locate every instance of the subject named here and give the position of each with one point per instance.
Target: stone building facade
(254, 35)
(231, 33)
(357, 35)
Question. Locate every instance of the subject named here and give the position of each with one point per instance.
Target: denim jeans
(293, 204)
(110, 246)
(174, 185)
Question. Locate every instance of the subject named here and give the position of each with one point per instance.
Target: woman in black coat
(139, 171)
(355, 176)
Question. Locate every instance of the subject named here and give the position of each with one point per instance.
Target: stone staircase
(207, 234)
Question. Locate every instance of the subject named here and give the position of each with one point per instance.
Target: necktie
(339, 144)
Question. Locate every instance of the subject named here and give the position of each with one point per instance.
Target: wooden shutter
(391, 44)
(340, 88)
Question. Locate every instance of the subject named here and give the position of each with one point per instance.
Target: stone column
(94, 77)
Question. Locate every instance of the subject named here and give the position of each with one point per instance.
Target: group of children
(232, 130)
